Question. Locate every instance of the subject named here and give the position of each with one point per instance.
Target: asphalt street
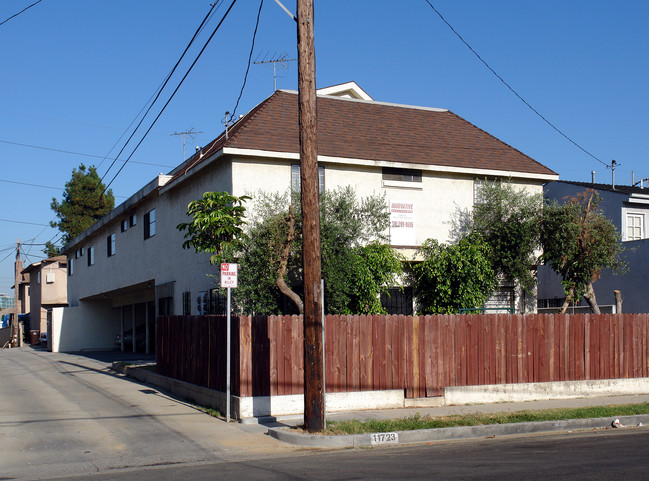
(593, 455)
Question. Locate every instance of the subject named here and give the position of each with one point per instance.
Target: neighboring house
(47, 289)
(428, 162)
(628, 209)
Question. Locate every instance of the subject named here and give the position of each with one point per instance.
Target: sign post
(228, 281)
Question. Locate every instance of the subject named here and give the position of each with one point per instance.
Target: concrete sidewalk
(278, 426)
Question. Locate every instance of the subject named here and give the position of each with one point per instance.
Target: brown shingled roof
(375, 131)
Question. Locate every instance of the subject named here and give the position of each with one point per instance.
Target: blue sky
(77, 72)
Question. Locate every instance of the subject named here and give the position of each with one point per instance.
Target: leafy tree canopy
(578, 243)
(84, 203)
(509, 221)
(357, 265)
(452, 277)
(216, 225)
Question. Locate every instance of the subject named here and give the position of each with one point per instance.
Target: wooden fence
(420, 354)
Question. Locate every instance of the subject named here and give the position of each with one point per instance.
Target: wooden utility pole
(314, 415)
(15, 327)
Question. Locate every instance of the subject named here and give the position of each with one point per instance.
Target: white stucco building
(427, 161)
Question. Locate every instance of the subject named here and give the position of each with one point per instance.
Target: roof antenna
(282, 60)
(192, 133)
(592, 176)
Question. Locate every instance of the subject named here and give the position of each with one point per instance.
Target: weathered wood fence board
(420, 354)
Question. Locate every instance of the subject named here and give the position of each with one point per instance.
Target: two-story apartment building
(426, 161)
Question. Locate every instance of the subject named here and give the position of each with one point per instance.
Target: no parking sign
(229, 275)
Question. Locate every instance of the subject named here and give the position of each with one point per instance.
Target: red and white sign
(229, 275)
(402, 223)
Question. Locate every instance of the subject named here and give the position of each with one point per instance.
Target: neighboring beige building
(130, 266)
(47, 289)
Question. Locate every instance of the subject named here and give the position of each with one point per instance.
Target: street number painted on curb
(384, 438)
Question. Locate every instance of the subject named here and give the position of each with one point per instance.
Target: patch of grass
(215, 413)
(476, 419)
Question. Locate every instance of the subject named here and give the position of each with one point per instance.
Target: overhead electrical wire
(77, 153)
(512, 89)
(159, 92)
(173, 93)
(170, 98)
(252, 47)
(23, 10)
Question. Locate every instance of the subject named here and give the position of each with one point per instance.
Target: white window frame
(629, 219)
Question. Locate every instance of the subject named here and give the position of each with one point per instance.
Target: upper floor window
(70, 268)
(78, 253)
(38, 277)
(402, 175)
(149, 224)
(404, 178)
(634, 227)
(110, 245)
(124, 225)
(132, 220)
(296, 181)
(91, 255)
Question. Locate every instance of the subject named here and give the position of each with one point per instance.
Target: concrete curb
(446, 434)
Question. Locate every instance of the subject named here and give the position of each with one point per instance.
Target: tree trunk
(283, 263)
(568, 300)
(589, 295)
(618, 301)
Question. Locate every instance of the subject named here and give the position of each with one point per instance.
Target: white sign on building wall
(402, 223)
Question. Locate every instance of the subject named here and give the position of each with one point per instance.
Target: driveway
(69, 414)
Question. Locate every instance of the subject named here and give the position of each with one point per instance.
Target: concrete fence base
(246, 408)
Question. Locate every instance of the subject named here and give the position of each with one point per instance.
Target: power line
(158, 93)
(77, 153)
(174, 92)
(166, 104)
(16, 14)
(22, 222)
(252, 47)
(512, 90)
(41, 186)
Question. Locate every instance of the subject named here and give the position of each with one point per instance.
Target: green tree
(216, 225)
(578, 243)
(353, 237)
(509, 221)
(452, 277)
(84, 203)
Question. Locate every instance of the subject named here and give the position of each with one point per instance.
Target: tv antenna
(192, 133)
(283, 61)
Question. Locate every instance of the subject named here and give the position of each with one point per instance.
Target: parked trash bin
(34, 337)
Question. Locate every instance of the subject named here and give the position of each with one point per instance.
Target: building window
(132, 220)
(124, 225)
(110, 245)
(296, 182)
(187, 303)
(91, 255)
(201, 303)
(78, 253)
(38, 277)
(401, 175)
(149, 224)
(634, 227)
(70, 268)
